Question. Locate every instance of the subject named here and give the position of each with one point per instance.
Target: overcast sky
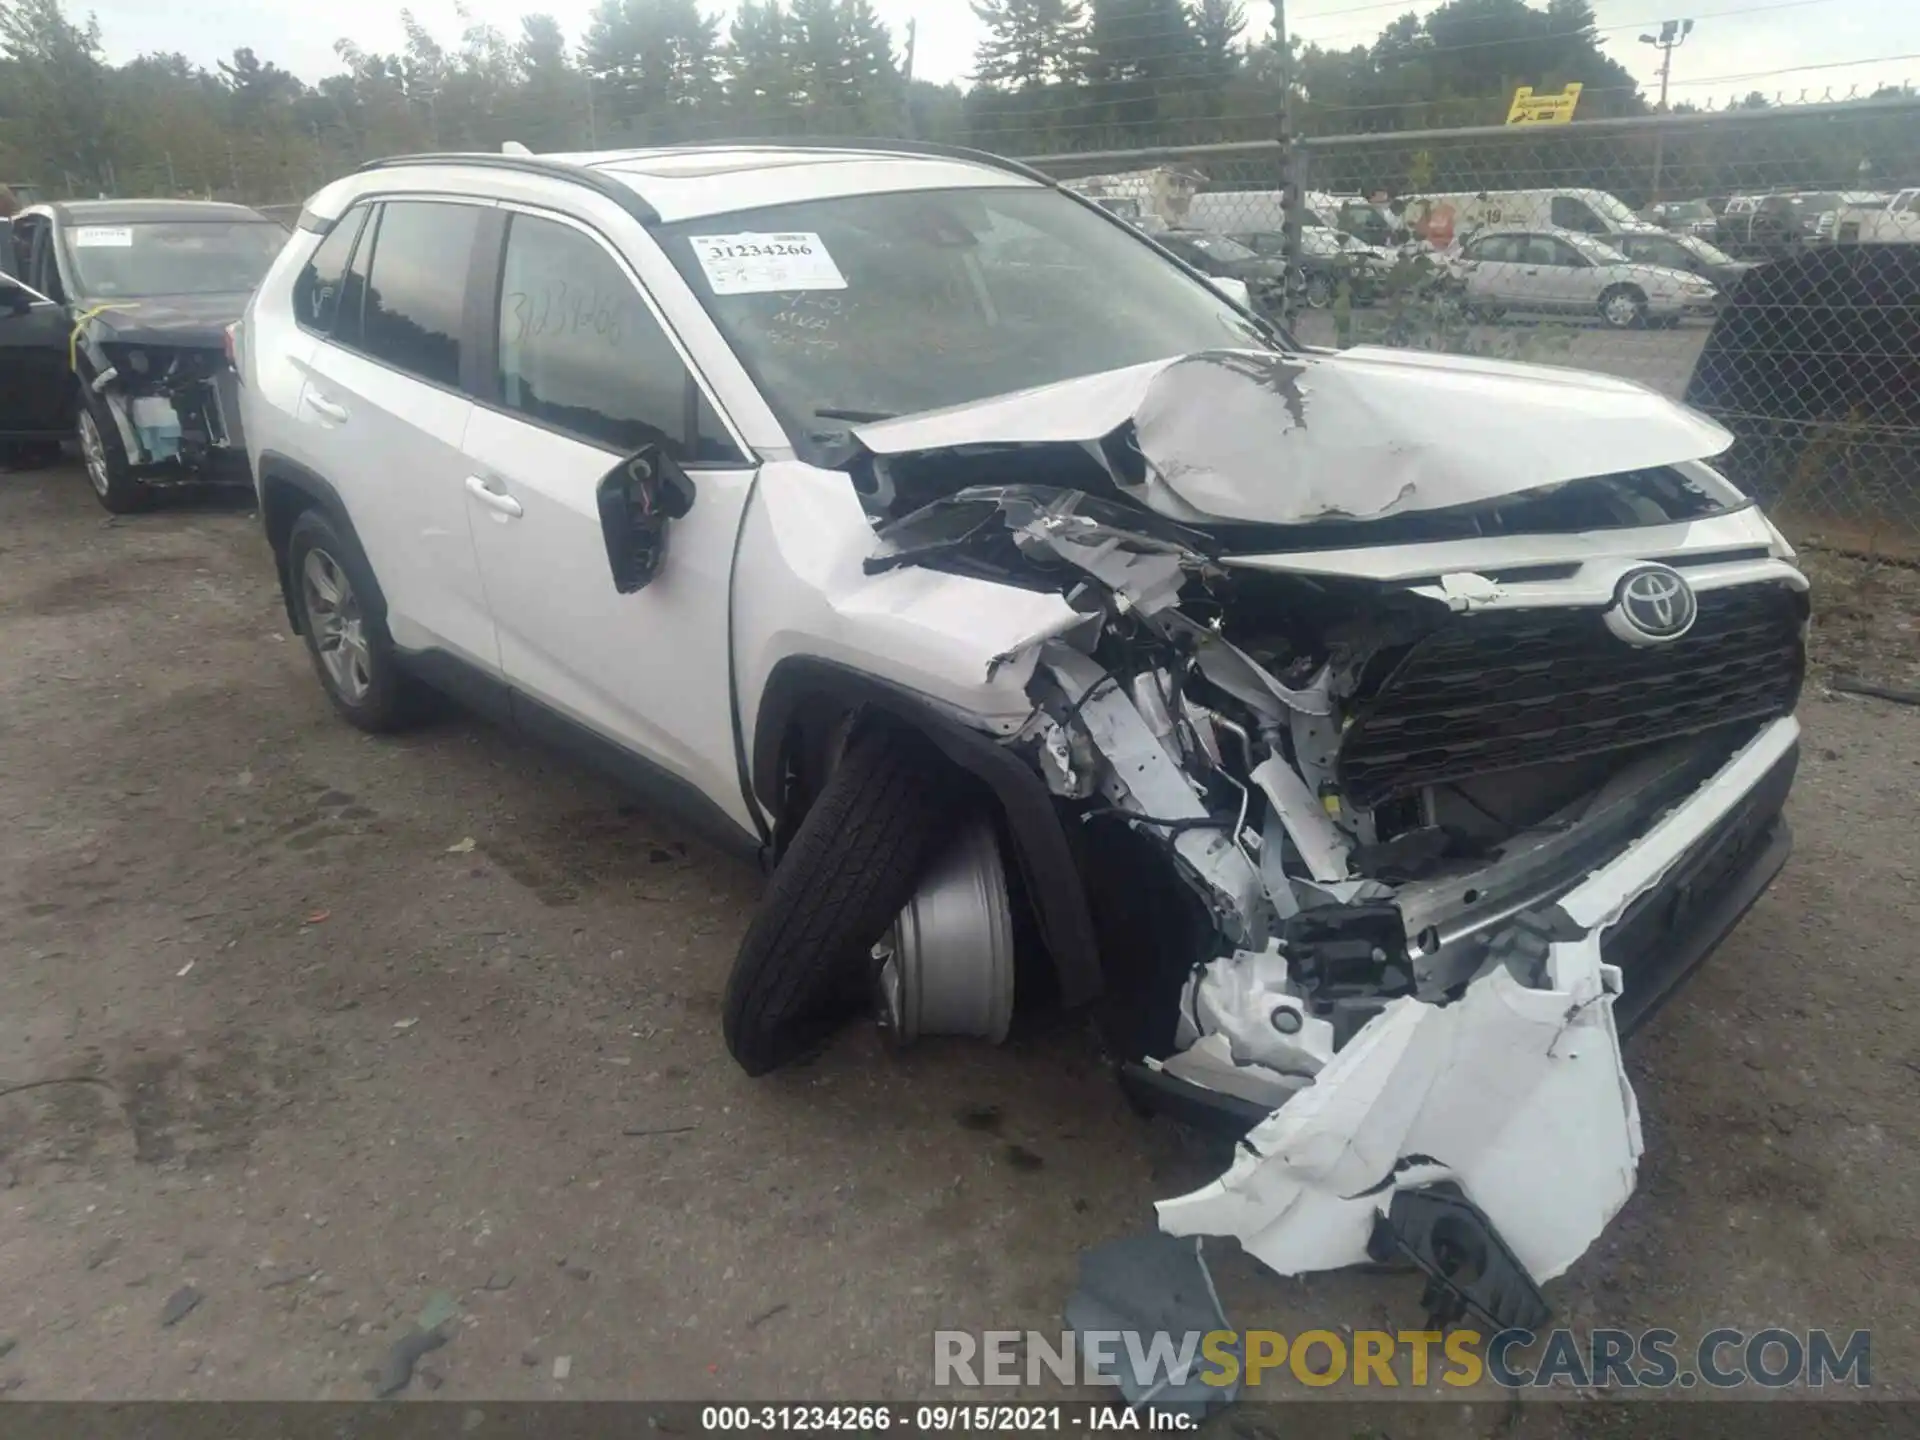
(1739, 45)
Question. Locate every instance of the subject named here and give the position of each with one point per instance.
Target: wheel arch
(288, 489)
(807, 702)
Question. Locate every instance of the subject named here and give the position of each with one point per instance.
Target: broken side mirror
(14, 298)
(639, 499)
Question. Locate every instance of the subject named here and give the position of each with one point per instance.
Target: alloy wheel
(338, 627)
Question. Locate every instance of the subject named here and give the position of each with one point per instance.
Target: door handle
(503, 505)
(326, 408)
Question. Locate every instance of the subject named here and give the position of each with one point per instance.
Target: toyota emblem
(1653, 606)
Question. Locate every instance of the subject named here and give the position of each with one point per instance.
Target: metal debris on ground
(178, 1305)
(402, 1356)
(1141, 1286)
(437, 1311)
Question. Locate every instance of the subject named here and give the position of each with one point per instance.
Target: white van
(1443, 220)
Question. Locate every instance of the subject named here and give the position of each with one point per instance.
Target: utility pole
(1290, 160)
(1673, 34)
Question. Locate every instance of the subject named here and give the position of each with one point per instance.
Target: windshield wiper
(858, 417)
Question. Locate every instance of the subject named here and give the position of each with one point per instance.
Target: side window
(316, 289)
(1494, 247)
(1565, 256)
(581, 351)
(1539, 250)
(1569, 213)
(417, 288)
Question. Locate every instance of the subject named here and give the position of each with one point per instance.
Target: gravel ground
(337, 1031)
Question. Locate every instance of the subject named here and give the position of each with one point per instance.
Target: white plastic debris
(562, 1366)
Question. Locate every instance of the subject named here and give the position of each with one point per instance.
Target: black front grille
(1498, 691)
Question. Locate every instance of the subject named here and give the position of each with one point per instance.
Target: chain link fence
(1763, 266)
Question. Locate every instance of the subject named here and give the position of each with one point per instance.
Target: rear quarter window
(316, 289)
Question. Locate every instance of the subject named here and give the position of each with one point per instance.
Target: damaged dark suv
(113, 326)
(1365, 737)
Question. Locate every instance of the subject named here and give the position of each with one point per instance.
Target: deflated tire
(803, 968)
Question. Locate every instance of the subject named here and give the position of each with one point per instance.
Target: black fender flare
(286, 488)
(1042, 847)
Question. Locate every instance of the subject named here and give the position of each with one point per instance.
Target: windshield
(195, 257)
(878, 305)
(1610, 208)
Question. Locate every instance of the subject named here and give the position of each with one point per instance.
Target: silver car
(1564, 272)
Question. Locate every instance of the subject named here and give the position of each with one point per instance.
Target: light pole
(1673, 34)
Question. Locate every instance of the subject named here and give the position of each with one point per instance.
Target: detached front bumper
(1515, 1094)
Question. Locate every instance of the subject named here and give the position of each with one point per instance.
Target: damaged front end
(174, 406)
(1398, 791)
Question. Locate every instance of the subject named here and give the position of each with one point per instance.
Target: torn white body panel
(1255, 437)
(1515, 1093)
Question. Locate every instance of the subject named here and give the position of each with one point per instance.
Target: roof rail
(930, 148)
(627, 198)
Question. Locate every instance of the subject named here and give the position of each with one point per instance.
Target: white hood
(1253, 437)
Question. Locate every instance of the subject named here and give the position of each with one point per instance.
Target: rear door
(386, 417)
(584, 372)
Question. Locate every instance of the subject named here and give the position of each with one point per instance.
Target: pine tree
(1029, 43)
(549, 98)
(657, 62)
(760, 82)
(60, 76)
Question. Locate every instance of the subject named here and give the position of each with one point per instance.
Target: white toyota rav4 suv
(1367, 737)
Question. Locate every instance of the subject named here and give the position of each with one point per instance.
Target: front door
(586, 374)
(36, 387)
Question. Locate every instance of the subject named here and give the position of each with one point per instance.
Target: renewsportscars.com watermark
(1389, 1359)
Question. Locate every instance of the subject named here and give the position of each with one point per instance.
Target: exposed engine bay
(174, 405)
(1374, 793)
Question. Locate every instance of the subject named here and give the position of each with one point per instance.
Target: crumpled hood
(185, 320)
(1259, 438)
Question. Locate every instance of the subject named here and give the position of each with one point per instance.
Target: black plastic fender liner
(1040, 841)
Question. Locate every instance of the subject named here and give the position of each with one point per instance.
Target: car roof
(683, 182)
(136, 212)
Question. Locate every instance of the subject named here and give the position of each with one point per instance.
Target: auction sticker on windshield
(109, 237)
(751, 264)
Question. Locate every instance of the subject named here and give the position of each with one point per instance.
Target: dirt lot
(334, 1030)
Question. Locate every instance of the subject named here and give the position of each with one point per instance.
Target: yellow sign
(1531, 109)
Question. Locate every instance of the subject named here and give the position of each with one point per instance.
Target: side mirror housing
(639, 500)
